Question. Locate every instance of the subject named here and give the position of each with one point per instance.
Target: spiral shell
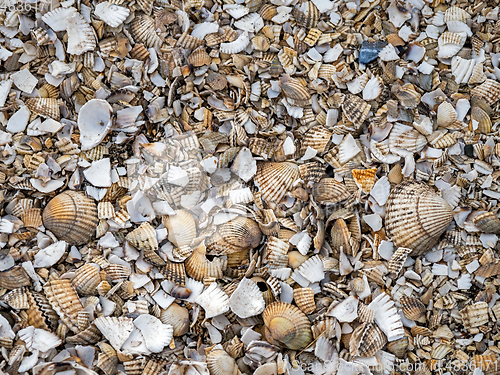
(416, 216)
(72, 217)
(286, 325)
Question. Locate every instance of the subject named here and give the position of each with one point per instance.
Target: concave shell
(47, 107)
(40, 313)
(175, 272)
(116, 330)
(17, 299)
(293, 88)
(488, 90)
(198, 266)
(247, 299)
(275, 179)
(287, 326)
(330, 191)
(487, 222)
(416, 216)
(65, 302)
(406, 138)
(277, 251)
(181, 228)
(178, 317)
(475, 315)
(219, 362)
(235, 235)
(413, 309)
(213, 300)
(143, 237)
(304, 299)
(107, 359)
(143, 30)
(86, 279)
(484, 122)
(398, 259)
(72, 217)
(449, 44)
(364, 178)
(14, 277)
(317, 138)
(355, 109)
(386, 316)
(455, 13)
(94, 122)
(407, 95)
(366, 340)
(111, 14)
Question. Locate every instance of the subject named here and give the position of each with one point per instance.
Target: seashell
(277, 251)
(373, 89)
(214, 301)
(176, 316)
(480, 119)
(46, 107)
(143, 237)
(455, 13)
(416, 217)
(247, 299)
(449, 44)
(386, 316)
(118, 272)
(143, 30)
(31, 218)
(475, 315)
(199, 267)
(174, 272)
(406, 138)
(447, 116)
(235, 235)
(268, 11)
(413, 309)
(406, 95)
(398, 259)
(287, 326)
(462, 69)
(295, 92)
(489, 90)
(487, 223)
(48, 91)
(355, 109)
(86, 279)
(365, 179)
(40, 313)
(488, 363)
(156, 334)
(340, 237)
(307, 16)
(477, 75)
(304, 299)
(317, 138)
(115, 330)
(72, 217)
(366, 340)
(94, 122)
(275, 179)
(199, 57)
(358, 84)
(237, 45)
(65, 302)
(365, 314)
(17, 299)
(181, 228)
(312, 269)
(219, 362)
(260, 43)
(139, 52)
(330, 191)
(112, 14)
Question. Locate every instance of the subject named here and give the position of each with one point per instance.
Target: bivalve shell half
(304, 299)
(86, 279)
(475, 315)
(176, 316)
(72, 217)
(247, 299)
(65, 302)
(94, 122)
(366, 340)
(364, 178)
(413, 309)
(416, 216)
(276, 179)
(330, 191)
(487, 222)
(488, 90)
(235, 235)
(219, 362)
(14, 277)
(287, 326)
(181, 228)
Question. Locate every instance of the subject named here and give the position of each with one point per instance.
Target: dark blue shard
(369, 51)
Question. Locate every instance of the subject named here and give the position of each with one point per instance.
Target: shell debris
(239, 187)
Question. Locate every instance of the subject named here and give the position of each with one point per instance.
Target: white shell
(237, 45)
(312, 269)
(213, 300)
(449, 44)
(251, 23)
(358, 84)
(39, 339)
(462, 69)
(156, 334)
(247, 299)
(94, 122)
(236, 10)
(50, 255)
(111, 14)
(386, 316)
(115, 330)
(345, 311)
(373, 89)
(348, 149)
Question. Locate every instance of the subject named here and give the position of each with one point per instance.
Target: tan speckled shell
(14, 278)
(199, 57)
(90, 335)
(487, 222)
(72, 217)
(47, 107)
(143, 30)
(355, 109)
(304, 299)
(235, 235)
(483, 119)
(364, 178)
(366, 340)
(118, 272)
(181, 228)
(65, 302)
(317, 138)
(175, 272)
(293, 89)
(413, 309)
(178, 317)
(86, 279)
(416, 216)
(287, 326)
(198, 266)
(330, 191)
(221, 363)
(475, 315)
(107, 359)
(275, 179)
(17, 299)
(277, 251)
(143, 237)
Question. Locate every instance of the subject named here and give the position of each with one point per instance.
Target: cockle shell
(475, 315)
(304, 299)
(294, 90)
(275, 179)
(235, 235)
(219, 362)
(176, 316)
(413, 309)
(181, 228)
(330, 191)
(365, 179)
(386, 316)
(247, 299)
(65, 302)
(416, 216)
(17, 299)
(116, 330)
(355, 109)
(488, 90)
(143, 30)
(286, 325)
(72, 217)
(86, 279)
(94, 122)
(366, 340)
(487, 222)
(198, 266)
(107, 360)
(213, 300)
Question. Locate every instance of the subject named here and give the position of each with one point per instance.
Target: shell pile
(249, 187)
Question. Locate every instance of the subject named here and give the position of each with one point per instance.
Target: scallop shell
(199, 57)
(199, 267)
(287, 326)
(31, 218)
(214, 301)
(72, 217)
(143, 237)
(112, 14)
(304, 299)
(487, 223)
(118, 272)
(65, 302)
(449, 44)
(115, 330)
(181, 228)
(413, 309)
(482, 118)
(317, 138)
(176, 316)
(247, 299)
(235, 235)
(86, 279)
(416, 216)
(275, 179)
(355, 109)
(219, 362)
(107, 360)
(46, 107)
(475, 315)
(330, 191)
(294, 91)
(386, 316)
(366, 340)
(143, 30)
(406, 138)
